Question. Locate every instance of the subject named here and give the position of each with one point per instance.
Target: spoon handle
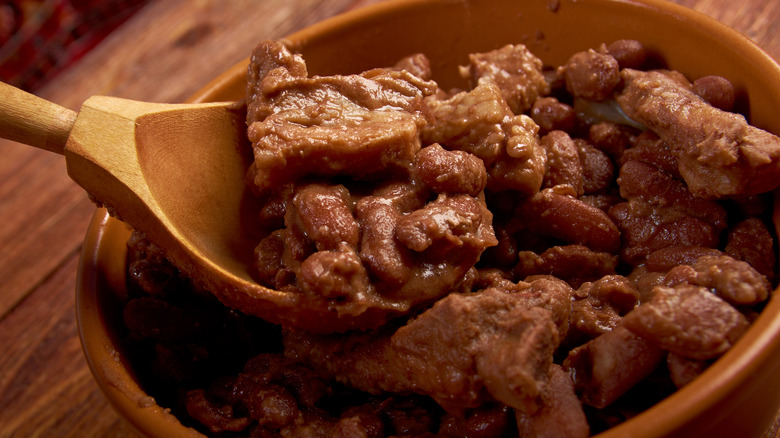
(34, 121)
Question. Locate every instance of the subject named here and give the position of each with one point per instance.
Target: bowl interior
(447, 31)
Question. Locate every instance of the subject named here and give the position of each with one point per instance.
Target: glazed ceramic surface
(737, 396)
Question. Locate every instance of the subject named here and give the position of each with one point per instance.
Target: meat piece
(733, 280)
(470, 121)
(465, 350)
(688, 320)
(385, 258)
(575, 264)
(563, 162)
(751, 241)
(683, 370)
(360, 125)
(423, 254)
(565, 217)
(514, 69)
(720, 155)
(336, 274)
(417, 64)
(608, 366)
(544, 291)
(266, 57)
(645, 231)
(661, 212)
(645, 281)
(450, 172)
(591, 74)
(599, 307)
(648, 148)
(480, 122)
(659, 189)
(448, 226)
(291, 144)
(324, 213)
(561, 414)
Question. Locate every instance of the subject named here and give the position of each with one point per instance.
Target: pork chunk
(660, 211)
(561, 414)
(466, 350)
(514, 69)
(363, 125)
(689, 321)
(420, 254)
(451, 172)
(575, 264)
(447, 224)
(611, 364)
(480, 122)
(600, 305)
(720, 155)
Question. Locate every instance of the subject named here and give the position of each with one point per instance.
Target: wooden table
(164, 53)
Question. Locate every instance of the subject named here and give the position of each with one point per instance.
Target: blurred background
(39, 38)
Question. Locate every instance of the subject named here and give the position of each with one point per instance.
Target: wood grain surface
(164, 53)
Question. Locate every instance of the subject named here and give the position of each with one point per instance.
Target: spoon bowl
(175, 172)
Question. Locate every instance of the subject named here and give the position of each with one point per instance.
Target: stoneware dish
(737, 396)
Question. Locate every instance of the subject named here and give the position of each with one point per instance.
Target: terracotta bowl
(737, 396)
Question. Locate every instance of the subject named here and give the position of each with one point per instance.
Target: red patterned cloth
(40, 38)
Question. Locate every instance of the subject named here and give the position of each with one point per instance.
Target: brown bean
(567, 218)
(598, 172)
(563, 161)
(716, 90)
(609, 137)
(592, 75)
(628, 53)
(667, 258)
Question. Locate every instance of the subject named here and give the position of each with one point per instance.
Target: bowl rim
(699, 398)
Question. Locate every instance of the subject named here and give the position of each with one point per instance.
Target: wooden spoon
(177, 173)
